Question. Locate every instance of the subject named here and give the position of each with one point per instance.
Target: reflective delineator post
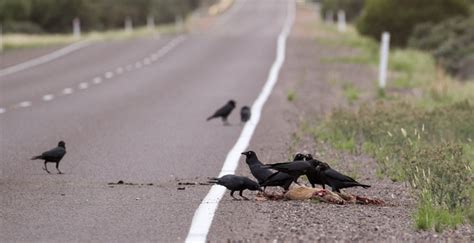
(76, 28)
(1, 39)
(384, 51)
(150, 22)
(329, 17)
(341, 21)
(128, 25)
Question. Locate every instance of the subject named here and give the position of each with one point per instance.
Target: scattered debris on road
(322, 195)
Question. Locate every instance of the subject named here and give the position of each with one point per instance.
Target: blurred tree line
(443, 27)
(55, 16)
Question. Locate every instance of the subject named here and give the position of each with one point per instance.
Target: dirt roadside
(315, 87)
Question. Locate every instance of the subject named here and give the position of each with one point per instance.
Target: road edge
(204, 214)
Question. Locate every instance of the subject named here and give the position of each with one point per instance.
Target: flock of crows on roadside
(267, 175)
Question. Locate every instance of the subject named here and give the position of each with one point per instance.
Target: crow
(297, 169)
(262, 174)
(334, 179)
(53, 156)
(245, 114)
(223, 112)
(236, 183)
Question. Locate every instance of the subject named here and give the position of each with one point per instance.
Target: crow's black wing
(54, 155)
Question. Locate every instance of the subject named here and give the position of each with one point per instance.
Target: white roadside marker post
(150, 22)
(179, 24)
(384, 51)
(1, 39)
(341, 21)
(76, 28)
(329, 17)
(128, 25)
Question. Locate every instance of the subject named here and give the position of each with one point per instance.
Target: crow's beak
(244, 153)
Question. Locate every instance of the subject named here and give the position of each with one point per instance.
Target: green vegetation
(351, 92)
(400, 16)
(424, 139)
(352, 8)
(291, 95)
(55, 16)
(450, 42)
(19, 41)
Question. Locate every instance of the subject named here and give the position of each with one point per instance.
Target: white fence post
(341, 21)
(179, 23)
(76, 28)
(150, 22)
(128, 25)
(329, 17)
(1, 38)
(384, 51)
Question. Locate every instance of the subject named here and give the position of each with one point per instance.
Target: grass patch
(22, 41)
(291, 95)
(432, 150)
(350, 92)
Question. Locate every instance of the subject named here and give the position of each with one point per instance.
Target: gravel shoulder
(316, 88)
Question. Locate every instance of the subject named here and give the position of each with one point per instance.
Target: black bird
(262, 174)
(334, 179)
(245, 114)
(236, 183)
(223, 112)
(53, 156)
(297, 169)
(308, 157)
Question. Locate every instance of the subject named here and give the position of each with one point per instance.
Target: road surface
(134, 111)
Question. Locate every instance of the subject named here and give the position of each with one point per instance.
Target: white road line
(48, 97)
(2, 110)
(119, 70)
(205, 213)
(83, 85)
(67, 91)
(146, 61)
(97, 80)
(24, 104)
(108, 75)
(44, 59)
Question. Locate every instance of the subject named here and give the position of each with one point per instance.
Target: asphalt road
(124, 119)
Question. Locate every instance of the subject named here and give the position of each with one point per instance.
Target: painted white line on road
(2, 110)
(119, 70)
(83, 85)
(48, 97)
(109, 75)
(146, 61)
(44, 59)
(97, 80)
(24, 104)
(205, 213)
(67, 91)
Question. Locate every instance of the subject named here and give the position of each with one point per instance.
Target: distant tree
(399, 17)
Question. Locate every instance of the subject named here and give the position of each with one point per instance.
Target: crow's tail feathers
(364, 186)
(213, 180)
(211, 117)
(36, 157)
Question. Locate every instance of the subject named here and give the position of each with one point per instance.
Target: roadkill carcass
(323, 195)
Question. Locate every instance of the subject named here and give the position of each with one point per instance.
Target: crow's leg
(232, 195)
(336, 190)
(46, 167)
(240, 194)
(57, 168)
(226, 123)
(324, 186)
